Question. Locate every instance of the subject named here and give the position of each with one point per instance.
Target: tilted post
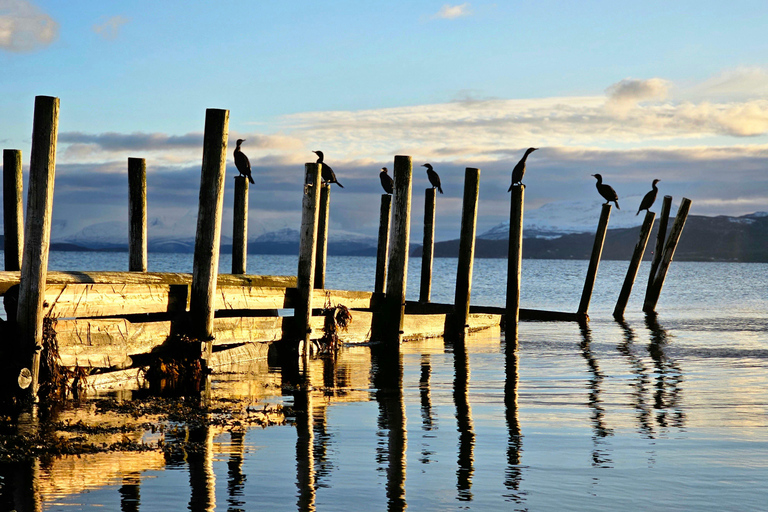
(305, 277)
(205, 269)
(466, 248)
(240, 226)
(594, 262)
(428, 248)
(137, 215)
(322, 235)
(13, 209)
(34, 265)
(514, 262)
(383, 247)
(634, 265)
(658, 251)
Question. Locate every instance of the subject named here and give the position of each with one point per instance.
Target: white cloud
(110, 28)
(449, 12)
(24, 27)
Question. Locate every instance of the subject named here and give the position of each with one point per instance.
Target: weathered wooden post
(658, 251)
(305, 277)
(398, 250)
(466, 249)
(322, 235)
(634, 265)
(669, 251)
(428, 248)
(137, 215)
(13, 208)
(37, 229)
(240, 226)
(594, 262)
(514, 264)
(383, 246)
(205, 269)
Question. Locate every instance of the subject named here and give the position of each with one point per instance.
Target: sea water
(668, 413)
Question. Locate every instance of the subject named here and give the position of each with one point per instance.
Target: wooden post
(383, 247)
(658, 251)
(137, 215)
(634, 265)
(305, 276)
(398, 250)
(466, 248)
(322, 235)
(240, 226)
(594, 262)
(13, 208)
(669, 251)
(514, 263)
(34, 265)
(428, 248)
(205, 269)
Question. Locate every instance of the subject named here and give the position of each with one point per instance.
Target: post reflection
(235, 476)
(129, 492)
(202, 479)
(466, 460)
(387, 369)
(427, 418)
(305, 459)
(669, 377)
(640, 383)
(513, 476)
(600, 452)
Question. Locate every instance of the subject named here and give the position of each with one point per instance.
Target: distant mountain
(719, 238)
(286, 241)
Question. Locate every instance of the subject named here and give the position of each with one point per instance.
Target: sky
(632, 90)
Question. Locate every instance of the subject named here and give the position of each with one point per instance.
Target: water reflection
(235, 476)
(639, 384)
(463, 419)
(202, 479)
(601, 449)
(669, 378)
(130, 492)
(305, 446)
(513, 476)
(427, 418)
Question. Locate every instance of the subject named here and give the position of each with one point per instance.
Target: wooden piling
(428, 248)
(466, 248)
(305, 276)
(594, 262)
(514, 261)
(666, 208)
(669, 251)
(383, 247)
(322, 235)
(398, 249)
(137, 215)
(634, 265)
(240, 226)
(205, 267)
(13, 208)
(37, 229)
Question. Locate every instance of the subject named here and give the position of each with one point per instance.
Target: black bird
(387, 183)
(606, 191)
(649, 198)
(519, 170)
(242, 163)
(434, 179)
(325, 170)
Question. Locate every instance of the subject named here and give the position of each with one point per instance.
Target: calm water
(665, 415)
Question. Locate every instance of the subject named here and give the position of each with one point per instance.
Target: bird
(606, 191)
(387, 183)
(519, 170)
(242, 163)
(649, 198)
(434, 179)
(325, 170)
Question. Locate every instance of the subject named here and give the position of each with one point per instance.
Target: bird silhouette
(242, 163)
(519, 170)
(325, 170)
(434, 179)
(387, 183)
(649, 198)
(606, 191)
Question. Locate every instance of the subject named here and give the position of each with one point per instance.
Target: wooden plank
(96, 300)
(242, 353)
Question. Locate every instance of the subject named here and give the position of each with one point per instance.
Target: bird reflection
(427, 419)
(600, 453)
(639, 384)
(235, 476)
(514, 474)
(463, 420)
(669, 378)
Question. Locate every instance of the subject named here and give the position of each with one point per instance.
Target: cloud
(628, 93)
(449, 12)
(110, 27)
(732, 84)
(24, 27)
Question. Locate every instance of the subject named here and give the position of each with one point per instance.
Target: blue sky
(670, 90)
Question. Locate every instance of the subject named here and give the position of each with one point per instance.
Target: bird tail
(440, 189)
(251, 180)
(617, 205)
(510, 188)
(339, 184)
(638, 212)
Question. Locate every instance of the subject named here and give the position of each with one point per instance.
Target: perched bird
(606, 191)
(325, 170)
(387, 183)
(649, 198)
(242, 163)
(434, 179)
(519, 170)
